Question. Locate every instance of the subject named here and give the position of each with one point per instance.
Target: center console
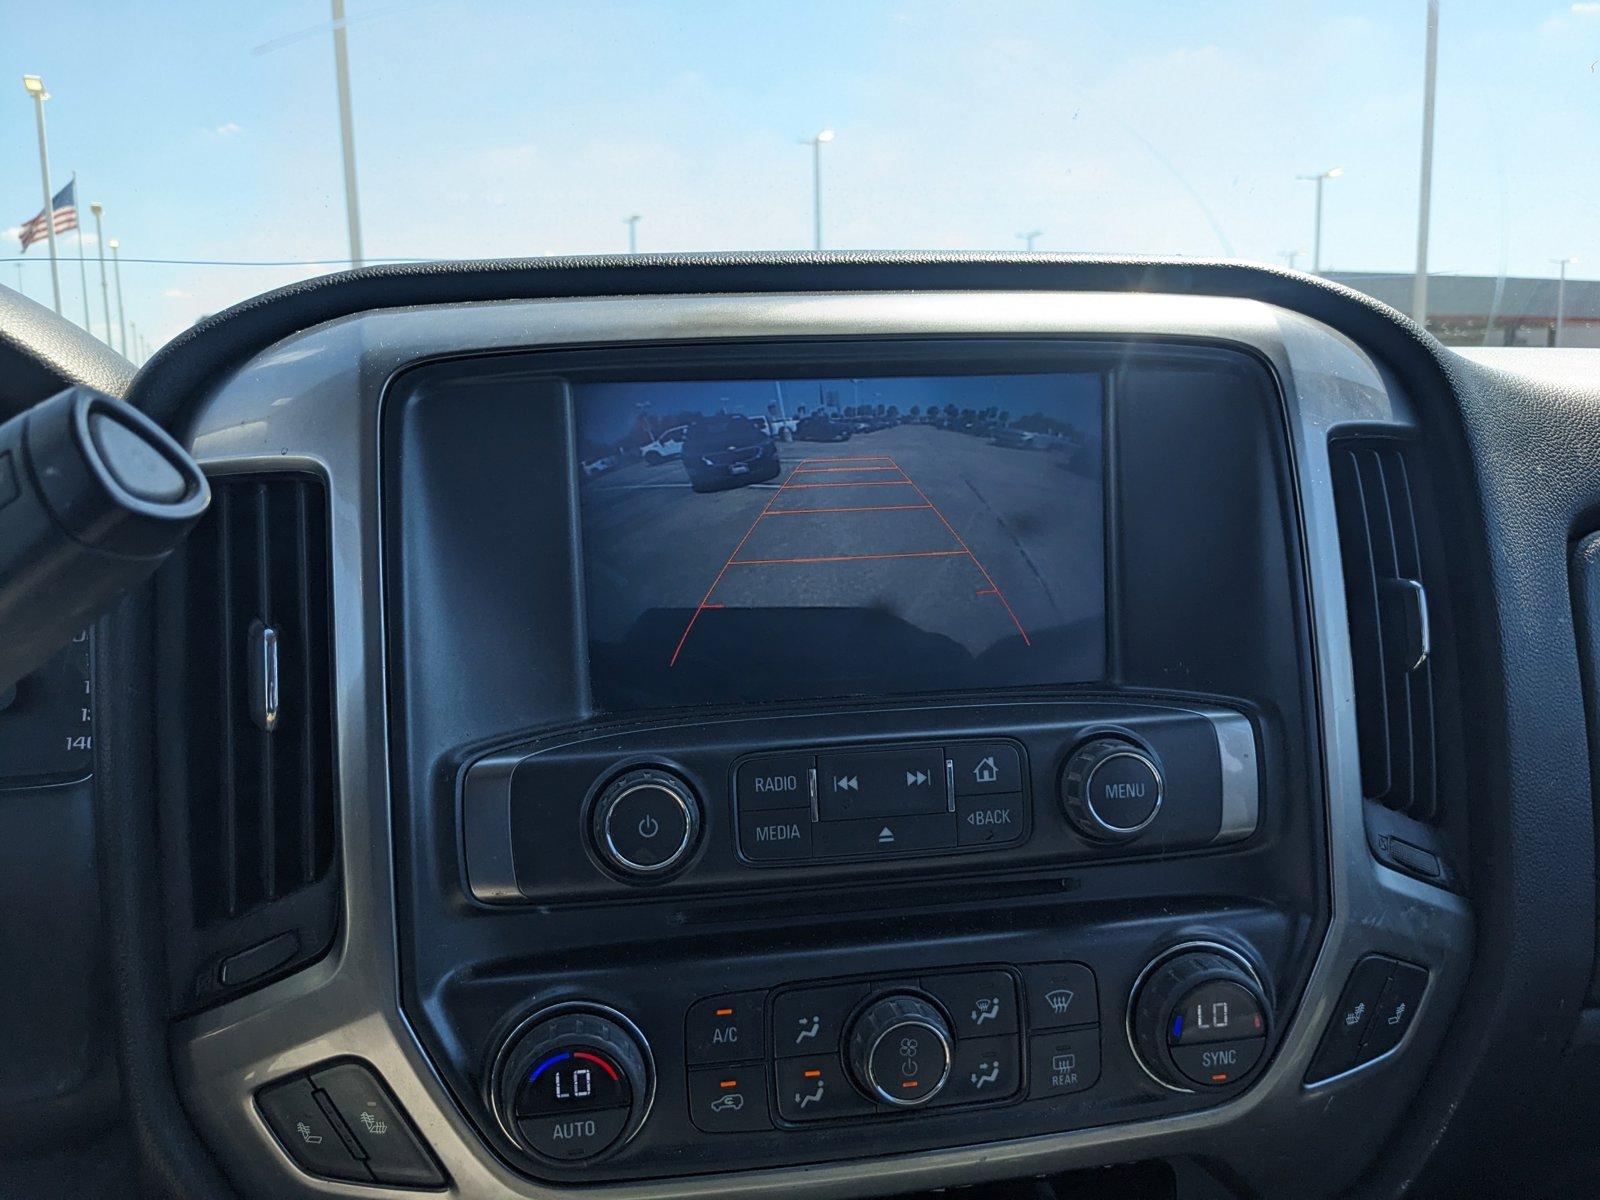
(841, 743)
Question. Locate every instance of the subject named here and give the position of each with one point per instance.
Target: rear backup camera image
(785, 539)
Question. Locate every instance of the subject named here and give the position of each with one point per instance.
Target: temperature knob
(1199, 1019)
(572, 1085)
(900, 1049)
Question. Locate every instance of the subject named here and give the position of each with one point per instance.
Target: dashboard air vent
(1375, 486)
(249, 753)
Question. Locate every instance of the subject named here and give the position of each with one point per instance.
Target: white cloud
(177, 294)
(1586, 8)
(229, 129)
(11, 233)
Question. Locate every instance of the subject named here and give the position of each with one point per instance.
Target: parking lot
(980, 543)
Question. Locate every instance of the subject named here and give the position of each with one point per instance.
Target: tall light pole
(347, 134)
(134, 326)
(817, 143)
(1430, 72)
(83, 270)
(1316, 239)
(98, 210)
(1561, 295)
(122, 324)
(1030, 237)
(34, 86)
(1290, 255)
(633, 232)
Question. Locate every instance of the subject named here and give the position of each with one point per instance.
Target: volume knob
(645, 823)
(900, 1049)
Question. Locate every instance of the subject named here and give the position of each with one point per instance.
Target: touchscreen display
(782, 539)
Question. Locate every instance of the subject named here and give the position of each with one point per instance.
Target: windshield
(194, 160)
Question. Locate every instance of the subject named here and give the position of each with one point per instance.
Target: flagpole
(122, 316)
(100, 244)
(35, 88)
(83, 270)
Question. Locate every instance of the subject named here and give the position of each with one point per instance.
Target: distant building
(1482, 310)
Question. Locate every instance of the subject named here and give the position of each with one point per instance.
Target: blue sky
(484, 129)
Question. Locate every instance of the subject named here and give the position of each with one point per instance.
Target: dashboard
(700, 741)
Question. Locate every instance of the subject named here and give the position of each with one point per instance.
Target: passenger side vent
(1386, 592)
(246, 613)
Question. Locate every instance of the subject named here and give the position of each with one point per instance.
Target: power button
(645, 822)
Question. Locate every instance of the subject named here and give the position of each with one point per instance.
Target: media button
(990, 820)
(781, 835)
(885, 837)
(985, 768)
(783, 781)
(881, 783)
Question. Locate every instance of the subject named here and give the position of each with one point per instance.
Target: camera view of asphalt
(949, 532)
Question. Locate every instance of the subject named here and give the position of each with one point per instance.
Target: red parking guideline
(905, 480)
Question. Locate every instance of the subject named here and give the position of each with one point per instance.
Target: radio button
(990, 820)
(984, 1069)
(729, 1099)
(779, 782)
(885, 837)
(881, 783)
(984, 768)
(815, 1089)
(980, 1003)
(1060, 994)
(724, 1029)
(782, 835)
(811, 1021)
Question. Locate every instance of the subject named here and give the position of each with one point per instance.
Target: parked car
(599, 466)
(821, 427)
(727, 451)
(1016, 439)
(666, 445)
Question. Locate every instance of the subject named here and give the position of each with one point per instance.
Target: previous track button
(881, 783)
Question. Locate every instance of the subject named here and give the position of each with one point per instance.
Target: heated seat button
(729, 1099)
(984, 768)
(780, 835)
(724, 1029)
(393, 1151)
(309, 1134)
(811, 1020)
(881, 783)
(783, 781)
(1064, 1062)
(1060, 994)
(1347, 1026)
(980, 1003)
(1396, 1009)
(990, 820)
(573, 1135)
(1214, 1064)
(815, 1088)
(983, 1069)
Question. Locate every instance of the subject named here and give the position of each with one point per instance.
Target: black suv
(728, 451)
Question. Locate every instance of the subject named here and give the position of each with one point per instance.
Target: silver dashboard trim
(312, 402)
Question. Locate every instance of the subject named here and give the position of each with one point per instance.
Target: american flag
(65, 209)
